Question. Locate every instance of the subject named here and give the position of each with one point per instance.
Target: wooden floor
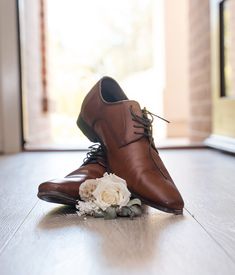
(43, 238)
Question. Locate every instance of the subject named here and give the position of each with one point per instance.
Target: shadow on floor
(121, 242)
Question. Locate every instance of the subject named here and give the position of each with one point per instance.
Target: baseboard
(223, 143)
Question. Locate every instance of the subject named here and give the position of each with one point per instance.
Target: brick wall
(199, 70)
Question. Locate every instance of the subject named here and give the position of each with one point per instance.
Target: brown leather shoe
(119, 124)
(66, 190)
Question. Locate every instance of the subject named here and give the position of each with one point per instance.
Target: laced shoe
(66, 190)
(125, 131)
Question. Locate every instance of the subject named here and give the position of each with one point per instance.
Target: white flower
(87, 188)
(86, 208)
(111, 190)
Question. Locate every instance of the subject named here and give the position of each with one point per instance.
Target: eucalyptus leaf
(135, 210)
(99, 214)
(134, 202)
(125, 211)
(110, 213)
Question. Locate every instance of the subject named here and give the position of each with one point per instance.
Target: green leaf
(110, 213)
(135, 211)
(124, 211)
(99, 214)
(134, 202)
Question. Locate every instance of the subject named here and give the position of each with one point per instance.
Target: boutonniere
(107, 197)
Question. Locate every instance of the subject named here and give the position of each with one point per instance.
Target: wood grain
(206, 179)
(157, 243)
(20, 175)
(42, 238)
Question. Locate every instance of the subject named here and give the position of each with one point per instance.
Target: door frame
(11, 131)
(223, 113)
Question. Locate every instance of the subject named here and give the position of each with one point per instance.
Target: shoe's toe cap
(171, 197)
(160, 193)
(50, 186)
(66, 186)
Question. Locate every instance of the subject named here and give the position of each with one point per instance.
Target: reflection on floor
(42, 238)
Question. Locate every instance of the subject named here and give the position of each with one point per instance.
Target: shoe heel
(87, 130)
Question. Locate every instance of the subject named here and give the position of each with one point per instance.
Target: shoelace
(145, 122)
(95, 152)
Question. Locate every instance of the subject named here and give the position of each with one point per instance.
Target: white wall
(10, 127)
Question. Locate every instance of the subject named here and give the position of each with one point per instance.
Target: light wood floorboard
(57, 243)
(20, 175)
(206, 179)
(42, 238)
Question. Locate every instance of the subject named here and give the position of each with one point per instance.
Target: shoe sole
(92, 136)
(159, 207)
(57, 197)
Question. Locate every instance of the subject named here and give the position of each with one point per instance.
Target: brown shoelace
(145, 122)
(95, 154)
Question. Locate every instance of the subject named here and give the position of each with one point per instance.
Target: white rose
(87, 188)
(111, 190)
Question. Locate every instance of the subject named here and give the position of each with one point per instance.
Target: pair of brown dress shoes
(127, 148)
